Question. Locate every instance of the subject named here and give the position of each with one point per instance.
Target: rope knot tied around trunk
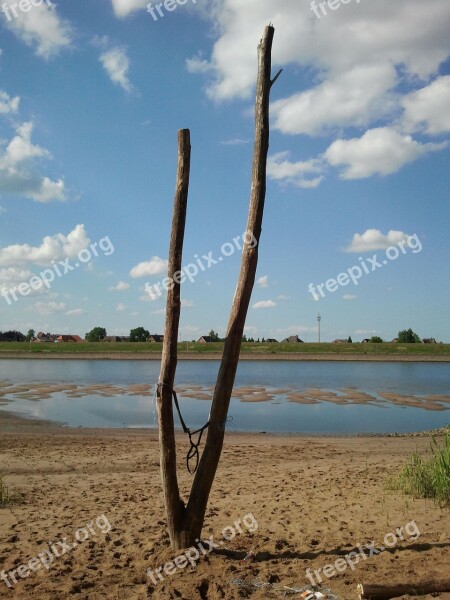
(193, 452)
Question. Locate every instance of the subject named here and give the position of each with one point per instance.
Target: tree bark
(388, 591)
(205, 474)
(174, 506)
(185, 522)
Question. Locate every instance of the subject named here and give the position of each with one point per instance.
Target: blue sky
(92, 94)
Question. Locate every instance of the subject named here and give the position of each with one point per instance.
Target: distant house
(205, 339)
(44, 337)
(292, 339)
(338, 341)
(68, 338)
(365, 341)
(156, 338)
(271, 341)
(395, 341)
(429, 341)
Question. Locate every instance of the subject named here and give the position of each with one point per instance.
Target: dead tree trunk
(185, 522)
(174, 506)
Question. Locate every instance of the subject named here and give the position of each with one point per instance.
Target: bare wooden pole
(185, 522)
(174, 506)
(222, 393)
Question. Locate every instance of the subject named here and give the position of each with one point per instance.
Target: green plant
(427, 477)
(7, 496)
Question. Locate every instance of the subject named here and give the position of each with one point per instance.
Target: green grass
(247, 348)
(7, 496)
(427, 476)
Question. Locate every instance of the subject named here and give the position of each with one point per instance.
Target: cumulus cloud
(428, 108)
(263, 281)
(18, 174)
(155, 266)
(117, 64)
(264, 304)
(280, 168)
(54, 247)
(361, 73)
(346, 41)
(348, 297)
(8, 104)
(354, 97)
(121, 307)
(123, 8)
(48, 308)
(379, 151)
(373, 239)
(42, 29)
(120, 287)
(75, 312)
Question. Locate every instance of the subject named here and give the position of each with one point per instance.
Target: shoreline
(294, 356)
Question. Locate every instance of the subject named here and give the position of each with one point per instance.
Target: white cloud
(48, 308)
(295, 173)
(429, 107)
(348, 297)
(121, 307)
(379, 151)
(75, 312)
(264, 304)
(120, 287)
(54, 247)
(354, 98)
(373, 239)
(375, 36)
(263, 281)
(196, 65)
(155, 266)
(42, 29)
(360, 60)
(123, 8)
(187, 304)
(7, 104)
(116, 63)
(17, 173)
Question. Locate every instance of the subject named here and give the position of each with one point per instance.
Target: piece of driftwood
(395, 590)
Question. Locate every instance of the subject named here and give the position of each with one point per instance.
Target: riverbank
(312, 500)
(291, 356)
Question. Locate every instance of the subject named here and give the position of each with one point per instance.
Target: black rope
(193, 452)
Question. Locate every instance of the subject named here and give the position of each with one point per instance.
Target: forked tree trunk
(185, 522)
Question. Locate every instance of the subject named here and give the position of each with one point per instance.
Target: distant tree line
(140, 334)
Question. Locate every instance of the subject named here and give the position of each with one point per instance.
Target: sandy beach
(312, 500)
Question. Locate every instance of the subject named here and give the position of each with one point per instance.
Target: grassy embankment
(247, 348)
